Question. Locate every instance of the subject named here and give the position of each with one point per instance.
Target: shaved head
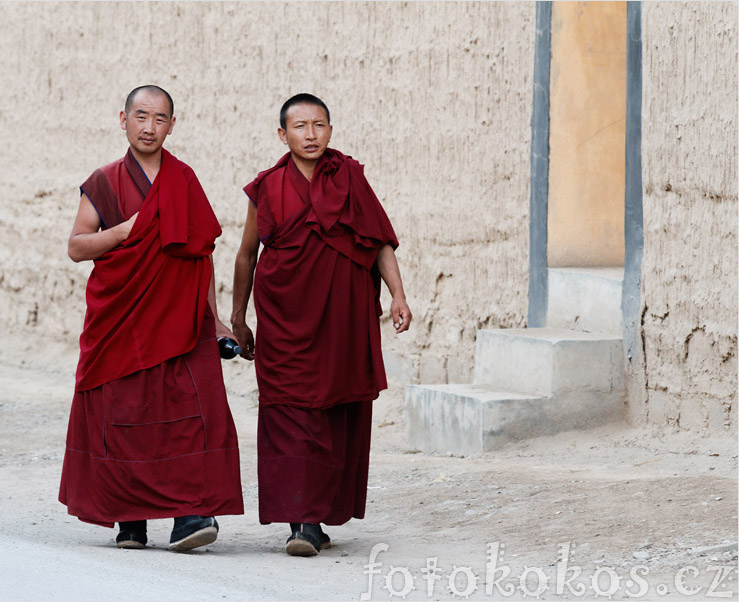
(149, 88)
(301, 99)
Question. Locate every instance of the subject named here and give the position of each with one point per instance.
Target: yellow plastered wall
(587, 133)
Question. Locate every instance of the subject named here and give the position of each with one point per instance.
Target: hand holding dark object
(246, 339)
(228, 348)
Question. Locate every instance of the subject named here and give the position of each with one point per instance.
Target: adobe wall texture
(689, 272)
(435, 99)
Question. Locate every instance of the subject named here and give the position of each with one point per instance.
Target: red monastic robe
(150, 432)
(318, 356)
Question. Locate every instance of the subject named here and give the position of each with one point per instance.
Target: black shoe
(192, 532)
(132, 535)
(305, 540)
(323, 537)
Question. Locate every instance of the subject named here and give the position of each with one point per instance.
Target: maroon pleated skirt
(313, 464)
(158, 443)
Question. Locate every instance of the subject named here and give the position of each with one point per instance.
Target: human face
(307, 132)
(147, 123)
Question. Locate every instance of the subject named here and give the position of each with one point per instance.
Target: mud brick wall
(434, 98)
(689, 272)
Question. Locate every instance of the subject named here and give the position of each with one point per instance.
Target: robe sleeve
(98, 189)
(250, 190)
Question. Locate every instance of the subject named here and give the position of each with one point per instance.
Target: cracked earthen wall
(434, 98)
(689, 272)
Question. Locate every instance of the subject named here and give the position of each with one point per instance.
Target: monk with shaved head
(150, 431)
(327, 244)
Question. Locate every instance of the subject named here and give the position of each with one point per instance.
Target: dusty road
(641, 513)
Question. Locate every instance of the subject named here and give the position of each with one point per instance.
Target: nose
(149, 125)
(310, 132)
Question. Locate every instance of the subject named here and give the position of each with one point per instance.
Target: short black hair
(302, 99)
(151, 88)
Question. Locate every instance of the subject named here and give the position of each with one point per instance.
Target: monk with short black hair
(150, 431)
(327, 244)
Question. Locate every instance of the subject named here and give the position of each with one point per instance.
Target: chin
(148, 150)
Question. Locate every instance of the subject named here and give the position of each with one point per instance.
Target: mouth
(147, 140)
(311, 148)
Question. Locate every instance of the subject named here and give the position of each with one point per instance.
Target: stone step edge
(479, 392)
(550, 334)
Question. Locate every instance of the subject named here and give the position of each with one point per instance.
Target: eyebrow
(320, 119)
(142, 112)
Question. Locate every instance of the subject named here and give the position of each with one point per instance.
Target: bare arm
(221, 329)
(246, 261)
(390, 273)
(87, 241)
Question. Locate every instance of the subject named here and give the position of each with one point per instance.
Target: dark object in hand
(228, 348)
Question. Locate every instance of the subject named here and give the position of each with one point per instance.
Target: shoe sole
(130, 544)
(300, 547)
(200, 538)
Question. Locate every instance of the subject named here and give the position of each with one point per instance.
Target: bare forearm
(212, 289)
(390, 272)
(221, 329)
(243, 282)
(92, 245)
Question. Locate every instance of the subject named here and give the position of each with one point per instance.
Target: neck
(150, 163)
(305, 167)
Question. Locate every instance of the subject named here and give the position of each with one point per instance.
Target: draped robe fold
(317, 353)
(150, 432)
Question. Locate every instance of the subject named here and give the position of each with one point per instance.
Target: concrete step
(472, 419)
(587, 299)
(548, 361)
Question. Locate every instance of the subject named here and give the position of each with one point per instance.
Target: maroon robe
(317, 354)
(150, 432)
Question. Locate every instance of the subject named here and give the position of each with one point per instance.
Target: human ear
(123, 120)
(171, 125)
(282, 134)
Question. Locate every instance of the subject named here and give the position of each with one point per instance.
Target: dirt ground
(615, 512)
